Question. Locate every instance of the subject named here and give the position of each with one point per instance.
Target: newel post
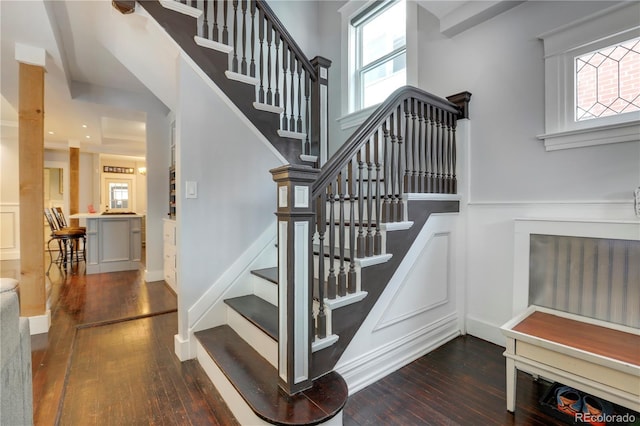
(295, 275)
(320, 110)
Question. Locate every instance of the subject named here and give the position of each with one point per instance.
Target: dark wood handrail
(279, 27)
(350, 148)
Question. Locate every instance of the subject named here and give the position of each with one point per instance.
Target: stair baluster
(422, 149)
(361, 239)
(415, 157)
(439, 150)
(234, 61)
(277, 69)
(261, 54)
(331, 279)
(399, 200)
(407, 148)
(285, 62)
(454, 181)
(252, 66)
(351, 282)
(205, 22)
(243, 62)
(386, 163)
(269, 39)
(215, 21)
(392, 169)
(225, 14)
(370, 224)
(292, 70)
(377, 239)
(342, 276)
(321, 226)
(299, 122)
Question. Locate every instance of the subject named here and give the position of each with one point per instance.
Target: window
(592, 80)
(118, 195)
(607, 81)
(380, 54)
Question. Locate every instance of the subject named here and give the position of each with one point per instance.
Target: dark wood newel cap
(462, 102)
(319, 60)
(124, 6)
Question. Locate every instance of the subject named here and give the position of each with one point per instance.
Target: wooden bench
(596, 357)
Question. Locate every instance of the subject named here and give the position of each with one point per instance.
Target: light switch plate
(191, 189)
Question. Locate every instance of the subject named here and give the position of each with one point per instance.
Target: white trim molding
(561, 46)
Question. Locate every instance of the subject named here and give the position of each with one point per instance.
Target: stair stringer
(374, 279)
(417, 311)
(210, 310)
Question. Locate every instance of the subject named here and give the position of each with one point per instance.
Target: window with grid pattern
(380, 54)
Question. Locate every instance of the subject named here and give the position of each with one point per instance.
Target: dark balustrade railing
(408, 145)
(263, 49)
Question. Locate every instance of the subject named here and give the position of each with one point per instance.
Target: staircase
(343, 229)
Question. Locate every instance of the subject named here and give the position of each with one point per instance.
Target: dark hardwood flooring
(108, 359)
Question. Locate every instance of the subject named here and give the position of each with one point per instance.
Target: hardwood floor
(108, 359)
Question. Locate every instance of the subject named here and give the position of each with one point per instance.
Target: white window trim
(561, 46)
(350, 116)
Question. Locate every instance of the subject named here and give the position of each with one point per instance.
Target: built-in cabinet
(169, 238)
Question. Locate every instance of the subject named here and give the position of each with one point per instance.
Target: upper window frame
(561, 47)
(351, 116)
(361, 19)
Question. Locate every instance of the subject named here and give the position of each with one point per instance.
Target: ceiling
(87, 90)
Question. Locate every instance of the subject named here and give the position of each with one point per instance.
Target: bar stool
(68, 240)
(62, 225)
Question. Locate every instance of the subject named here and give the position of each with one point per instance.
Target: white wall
(300, 18)
(157, 181)
(236, 195)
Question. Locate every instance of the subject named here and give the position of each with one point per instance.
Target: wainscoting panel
(9, 231)
(593, 277)
(431, 281)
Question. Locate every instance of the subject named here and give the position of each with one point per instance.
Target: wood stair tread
(257, 381)
(269, 274)
(259, 312)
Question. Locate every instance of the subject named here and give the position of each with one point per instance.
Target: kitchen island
(114, 241)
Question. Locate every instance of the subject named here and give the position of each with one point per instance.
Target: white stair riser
(265, 289)
(262, 343)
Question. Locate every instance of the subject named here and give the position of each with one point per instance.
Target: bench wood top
(607, 342)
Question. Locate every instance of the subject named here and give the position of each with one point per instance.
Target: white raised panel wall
(9, 231)
(418, 311)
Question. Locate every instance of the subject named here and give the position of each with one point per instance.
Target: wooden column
(295, 274)
(74, 184)
(31, 162)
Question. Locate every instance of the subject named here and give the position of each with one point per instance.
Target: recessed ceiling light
(51, 133)
(88, 137)
(84, 126)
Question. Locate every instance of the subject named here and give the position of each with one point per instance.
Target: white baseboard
(39, 324)
(151, 276)
(373, 366)
(184, 349)
(485, 330)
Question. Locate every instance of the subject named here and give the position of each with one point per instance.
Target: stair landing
(257, 381)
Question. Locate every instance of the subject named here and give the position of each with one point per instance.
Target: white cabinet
(169, 238)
